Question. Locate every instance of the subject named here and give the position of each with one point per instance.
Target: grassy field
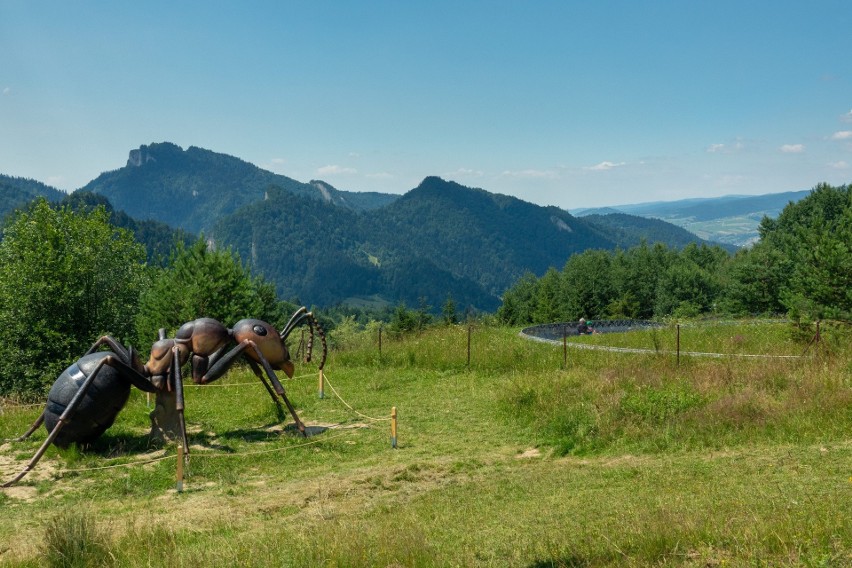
(612, 459)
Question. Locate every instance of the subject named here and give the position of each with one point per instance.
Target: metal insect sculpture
(87, 397)
(263, 347)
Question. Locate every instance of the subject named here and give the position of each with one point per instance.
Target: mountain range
(731, 219)
(323, 246)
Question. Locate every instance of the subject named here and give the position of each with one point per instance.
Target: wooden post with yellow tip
(393, 427)
(179, 468)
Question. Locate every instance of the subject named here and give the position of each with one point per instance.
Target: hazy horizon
(558, 103)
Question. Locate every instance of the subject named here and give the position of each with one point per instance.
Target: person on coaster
(585, 328)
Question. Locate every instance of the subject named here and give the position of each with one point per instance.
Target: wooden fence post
(321, 384)
(469, 328)
(179, 473)
(678, 345)
(393, 427)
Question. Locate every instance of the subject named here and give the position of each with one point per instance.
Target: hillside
(192, 188)
(732, 219)
(16, 192)
(630, 230)
(321, 245)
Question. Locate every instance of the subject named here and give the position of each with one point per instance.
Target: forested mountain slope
(324, 246)
(16, 192)
(193, 188)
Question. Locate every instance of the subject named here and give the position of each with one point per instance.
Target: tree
(65, 279)
(448, 311)
(203, 282)
(814, 237)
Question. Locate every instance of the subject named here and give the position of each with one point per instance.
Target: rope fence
(183, 458)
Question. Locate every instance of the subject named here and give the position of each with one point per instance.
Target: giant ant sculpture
(87, 397)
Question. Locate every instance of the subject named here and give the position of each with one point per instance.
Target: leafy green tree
(587, 285)
(754, 279)
(448, 311)
(65, 279)
(685, 290)
(814, 235)
(548, 300)
(203, 282)
(403, 320)
(519, 301)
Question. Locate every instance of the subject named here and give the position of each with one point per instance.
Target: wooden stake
(180, 468)
(469, 328)
(565, 346)
(321, 384)
(678, 345)
(393, 427)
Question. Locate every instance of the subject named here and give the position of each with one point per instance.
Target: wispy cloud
(530, 174)
(725, 148)
(380, 175)
(841, 165)
(335, 170)
(842, 135)
(792, 148)
(465, 173)
(846, 117)
(605, 166)
(7, 91)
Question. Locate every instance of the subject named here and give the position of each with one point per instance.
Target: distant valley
(324, 246)
(732, 219)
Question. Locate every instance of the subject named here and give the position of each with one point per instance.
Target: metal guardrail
(556, 331)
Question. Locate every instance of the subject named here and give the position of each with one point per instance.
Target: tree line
(801, 266)
(68, 274)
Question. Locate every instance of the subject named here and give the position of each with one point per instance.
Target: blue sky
(574, 104)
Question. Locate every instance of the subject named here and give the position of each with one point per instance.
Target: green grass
(517, 460)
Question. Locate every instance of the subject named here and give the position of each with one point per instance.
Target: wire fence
(756, 339)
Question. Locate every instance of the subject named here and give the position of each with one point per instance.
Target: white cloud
(792, 148)
(842, 135)
(335, 170)
(465, 173)
(530, 174)
(725, 148)
(380, 175)
(605, 166)
(841, 165)
(846, 117)
(7, 91)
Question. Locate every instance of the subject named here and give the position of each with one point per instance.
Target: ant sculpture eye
(259, 330)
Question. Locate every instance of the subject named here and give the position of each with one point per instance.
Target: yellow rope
(284, 449)
(347, 405)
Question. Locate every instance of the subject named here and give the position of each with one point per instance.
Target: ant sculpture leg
(178, 382)
(259, 374)
(39, 421)
(112, 360)
(222, 364)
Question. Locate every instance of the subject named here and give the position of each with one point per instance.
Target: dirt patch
(528, 454)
